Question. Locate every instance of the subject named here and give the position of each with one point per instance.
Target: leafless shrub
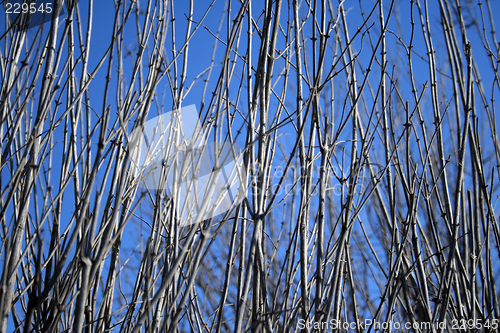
(369, 133)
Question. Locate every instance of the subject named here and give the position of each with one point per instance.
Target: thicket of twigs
(369, 132)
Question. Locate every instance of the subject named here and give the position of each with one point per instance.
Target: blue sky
(199, 59)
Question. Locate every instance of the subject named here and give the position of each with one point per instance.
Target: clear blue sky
(200, 50)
